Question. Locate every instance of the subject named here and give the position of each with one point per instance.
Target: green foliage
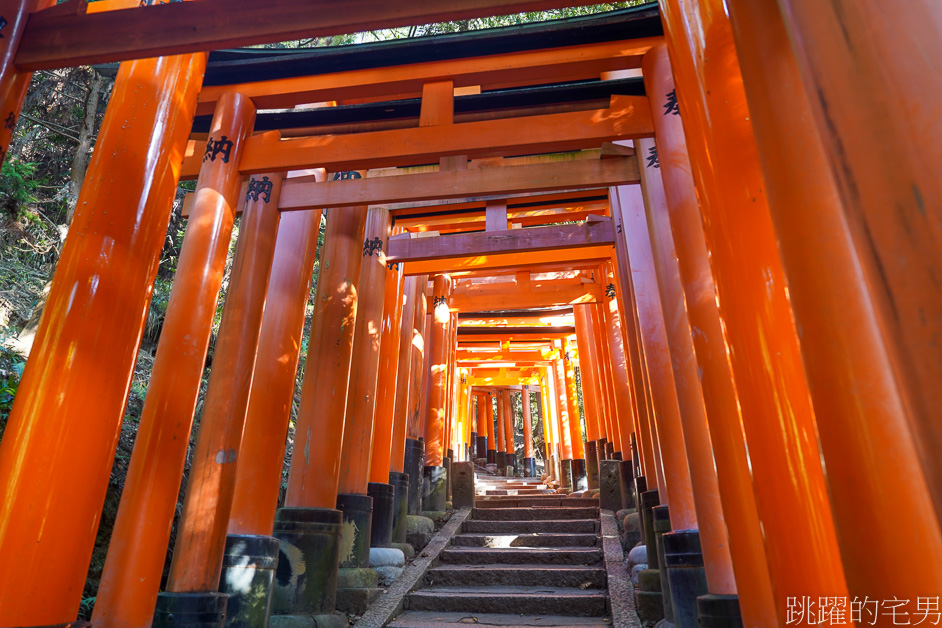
(18, 186)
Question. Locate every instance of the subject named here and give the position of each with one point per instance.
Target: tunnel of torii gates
(727, 212)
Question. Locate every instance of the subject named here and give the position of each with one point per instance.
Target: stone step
(523, 539)
(525, 600)
(525, 514)
(578, 576)
(429, 619)
(522, 555)
(530, 501)
(517, 491)
(567, 526)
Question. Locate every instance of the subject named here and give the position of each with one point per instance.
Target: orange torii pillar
(462, 415)
(591, 394)
(484, 434)
(131, 578)
(501, 454)
(550, 439)
(796, 516)
(384, 418)
(562, 411)
(578, 469)
(201, 534)
(398, 475)
(610, 442)
(390, 423)
(73, 392)
(719, 394)
(873, 85)
(258, 476)
(529, 461)
(414, 450)
(510, 443)
(861, 411)
(362, 502)
(309, 525)
(435, 486)
(491, 437)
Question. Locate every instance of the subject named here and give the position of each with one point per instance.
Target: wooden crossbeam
(575, 257)
(529, 67)
(525, 299)
(73, 37)
(512, 356)
(599, 232)
(626, 117)
(598, 173)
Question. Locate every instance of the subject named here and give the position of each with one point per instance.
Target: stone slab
(620, 590)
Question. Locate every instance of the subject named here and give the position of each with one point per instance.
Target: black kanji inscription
(653, 161)
(436, 301)
(259, 189)
(350, 174)
(372, 246)
(671, 107)
(215, 148)
(610, 290)
(10, 122)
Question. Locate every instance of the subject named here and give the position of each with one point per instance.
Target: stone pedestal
(579, 480)
(435, 489)
(625, 471)
(649, 499)
(306, 577)
(414, 462)
(660, 517)
(190, 610)
(355, 534)
(400, 482)
(482, 447)
(719, 611)
(683, 562)
(592, 463)
(529, 467)
(247, 577)
(565, 474)
(384, 509)
(462, 485)
(491, 456)
(610, 495)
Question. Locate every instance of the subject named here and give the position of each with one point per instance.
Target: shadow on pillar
(305, 586)
(580, 481)
(434, 489)
(401, 483)
(414, 461)
(247, 578)
(384, 500)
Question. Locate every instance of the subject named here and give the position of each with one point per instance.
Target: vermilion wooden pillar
(133, 568)
(861, 416)
(404, 373)
(509, 429)
(562, 410)
(313, 477)
(72, 394)
(607, 387)
(418, 370)
(384, 413)
(491, 435)
(794, 510)
(871, 73)
(529, 461)
(438, 349)
(201, 534)
(590, 374)
(364, 369)
(719, 394)
(712, 527)
(258, 476)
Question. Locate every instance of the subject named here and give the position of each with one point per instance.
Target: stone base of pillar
(400, 482)
(660, 517)
(592, 459)
(414, 461)
(447, 462)
(306, 582)
(357, 588)
(471, 447)
(529, 467)
(384, 509)
(509, 471)
(625, 471)
(683, 562)
(248, 573)
(580, 481)
(616, 455)
(649, 499)
(640, 486)
(609, 450)
(500, 459)
(565, 474)
(719, 611)
(648, 599)
(420, 531)
(610, 495)
(327, 620)
(451, 454)
(355, 535)
(481, 447)
(435, 488)
(190, 610)
(462, 485)
(491, 456)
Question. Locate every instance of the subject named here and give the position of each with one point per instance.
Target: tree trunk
(86, 136)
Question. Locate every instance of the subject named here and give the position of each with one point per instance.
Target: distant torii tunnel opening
(681, 258)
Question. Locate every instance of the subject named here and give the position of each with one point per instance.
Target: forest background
(39, 183)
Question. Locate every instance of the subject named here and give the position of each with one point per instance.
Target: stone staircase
(497, 485)
(529, 559)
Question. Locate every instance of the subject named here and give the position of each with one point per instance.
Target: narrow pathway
(525, 557)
